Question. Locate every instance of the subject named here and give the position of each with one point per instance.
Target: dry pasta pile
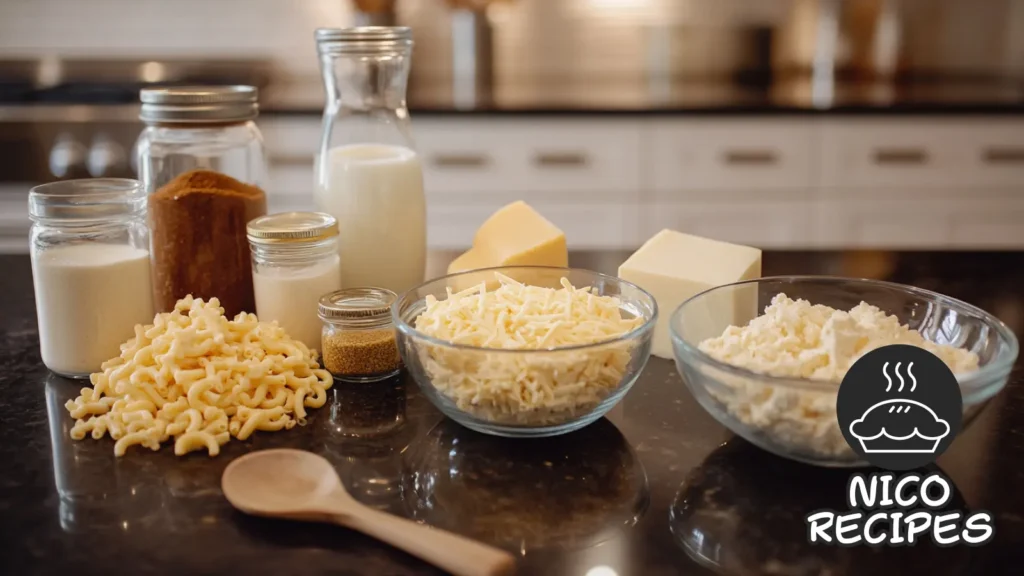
(197, 377)
(529, 388)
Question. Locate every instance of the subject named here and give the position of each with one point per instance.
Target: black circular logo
(899, 407)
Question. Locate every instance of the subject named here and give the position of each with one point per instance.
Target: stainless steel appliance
(64, 119)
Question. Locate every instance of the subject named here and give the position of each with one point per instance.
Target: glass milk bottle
(368, 176)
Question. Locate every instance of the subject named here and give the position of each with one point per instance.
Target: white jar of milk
(90, 270)
(294, 263)
(368, 175)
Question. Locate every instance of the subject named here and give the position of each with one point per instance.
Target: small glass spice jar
(358, 339)
(294, 262)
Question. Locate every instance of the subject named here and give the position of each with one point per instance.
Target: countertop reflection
(568, 492)
(741, 512)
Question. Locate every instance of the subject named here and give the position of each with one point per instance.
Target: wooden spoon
(300, 485)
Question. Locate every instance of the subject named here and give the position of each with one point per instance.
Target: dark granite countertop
(618, 96)
(625, 496)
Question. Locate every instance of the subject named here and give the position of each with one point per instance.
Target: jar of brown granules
(358, 339)
(201, 160)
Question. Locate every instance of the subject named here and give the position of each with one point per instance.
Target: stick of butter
(673, 266)
(515, 235)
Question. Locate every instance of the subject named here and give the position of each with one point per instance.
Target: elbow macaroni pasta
(199, 378)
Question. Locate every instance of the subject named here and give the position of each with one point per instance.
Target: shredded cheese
(546, 383)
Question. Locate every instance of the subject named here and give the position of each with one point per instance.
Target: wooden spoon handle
(451, 552)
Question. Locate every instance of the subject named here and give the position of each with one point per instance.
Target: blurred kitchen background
(786, 124)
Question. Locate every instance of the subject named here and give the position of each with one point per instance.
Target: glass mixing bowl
(567, 388)
(795, 417)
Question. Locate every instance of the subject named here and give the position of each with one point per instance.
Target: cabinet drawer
(884, 224)
(996, 149)
(609, 226)
(989, 225)
(730, 155)
(766, 225)
(575, 159)
(929, 154)
(596, 226)
(476, 158)
(952, 224)
(466, 156)
(870, 154)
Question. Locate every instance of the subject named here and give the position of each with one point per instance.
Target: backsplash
(533, 36)
(278, 30)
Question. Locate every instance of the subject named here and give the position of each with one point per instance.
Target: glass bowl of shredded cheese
(766, 357)
(525, 351)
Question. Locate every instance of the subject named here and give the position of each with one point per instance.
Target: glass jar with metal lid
(90, 270)
(294, 262)
(358, 337)
(368, 174)
(201, 160)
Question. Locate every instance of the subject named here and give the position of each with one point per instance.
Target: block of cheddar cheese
(515, 235)
(673, 266)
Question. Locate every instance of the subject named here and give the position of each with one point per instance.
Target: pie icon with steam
(899, 425)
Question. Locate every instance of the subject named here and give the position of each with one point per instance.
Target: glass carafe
(368, 174)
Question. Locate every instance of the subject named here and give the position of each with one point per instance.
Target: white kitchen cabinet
(962, 223)
(483, 160)
(735, 157)
(922, 156)
(794, 182)
(588, 226)
(775, 224)
(993, 224)
(873, 156)
(879, 223)
(292, 143)
(995, 149)
(291, 136)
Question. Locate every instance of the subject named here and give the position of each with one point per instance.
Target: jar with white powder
(90, 269)
(295, 261)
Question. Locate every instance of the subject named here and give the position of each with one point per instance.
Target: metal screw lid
(356, 303)
(363, 39)
(292, 227)
(199, 104)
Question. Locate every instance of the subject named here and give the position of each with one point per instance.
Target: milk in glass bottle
(368, 175)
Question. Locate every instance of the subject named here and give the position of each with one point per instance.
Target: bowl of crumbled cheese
(766, 357)
(525, 351)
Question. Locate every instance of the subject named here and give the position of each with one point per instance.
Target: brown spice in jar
(197, 223)
(361, 352)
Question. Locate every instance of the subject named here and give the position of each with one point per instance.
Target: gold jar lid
(288, 227)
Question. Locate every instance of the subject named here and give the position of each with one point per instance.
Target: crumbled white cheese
(796, 339)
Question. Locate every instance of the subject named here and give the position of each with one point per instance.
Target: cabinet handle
(901, 156)
(996, 155)
(460, 160)
(560, 159)
(289, 160)
(750, 157)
